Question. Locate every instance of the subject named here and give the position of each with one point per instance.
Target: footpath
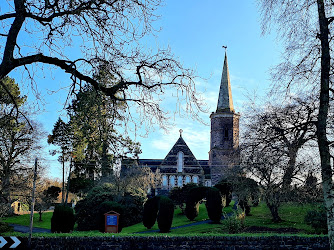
(26, 229)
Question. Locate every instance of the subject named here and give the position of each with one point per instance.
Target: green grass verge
(179, 219)
(171, 234)
(292, 215)
(24, 220)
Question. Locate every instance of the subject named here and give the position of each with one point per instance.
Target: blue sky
(195, 31)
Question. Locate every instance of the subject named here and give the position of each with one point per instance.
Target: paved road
(25, 229)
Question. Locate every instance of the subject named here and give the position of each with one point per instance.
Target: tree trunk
(68, 182)
(63, 186)
(273, 201)
(274, 212)
(287, 178)
(326, 170)
(105, 164)
(40, 215)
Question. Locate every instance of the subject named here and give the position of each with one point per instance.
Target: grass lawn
(178, 220)
(292, 215)
(24, 220)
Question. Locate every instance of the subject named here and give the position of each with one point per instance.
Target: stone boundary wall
(167, 242)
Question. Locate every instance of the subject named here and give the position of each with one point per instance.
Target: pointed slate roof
(189, 158)
(225, 102)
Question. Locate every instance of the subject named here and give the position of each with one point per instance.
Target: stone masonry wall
(165, 242)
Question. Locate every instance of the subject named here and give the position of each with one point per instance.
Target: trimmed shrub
(214, 204)
(195, 195)
(107, 206)
(192, 210)
(180, 195)
(225, 189)
(165, 214)
(151, 208)
(62, 220)
(317, 219)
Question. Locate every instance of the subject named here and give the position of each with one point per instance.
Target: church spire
(225, 102)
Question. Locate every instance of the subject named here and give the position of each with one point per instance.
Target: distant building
(224, 143)
(181, 167)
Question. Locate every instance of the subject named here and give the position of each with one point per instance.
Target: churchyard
(260, 177)
(259, 223)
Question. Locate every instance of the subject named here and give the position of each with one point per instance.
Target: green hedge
(151, 208)
(195, 195)
(214, 204)
(62, 220)
(165, 214)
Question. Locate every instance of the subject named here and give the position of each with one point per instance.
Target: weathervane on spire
(180, 132)
(225, 47)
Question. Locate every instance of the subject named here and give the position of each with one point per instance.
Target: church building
(181, 167)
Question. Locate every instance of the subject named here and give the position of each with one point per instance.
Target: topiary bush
(225, 189)
(62, 220)
(180, 195)
(151, 208)
(165, 214)
(214, 204)
(195, 195)
(317, 219)
(192, 210)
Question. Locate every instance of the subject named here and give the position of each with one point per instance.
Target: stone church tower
(224, 141)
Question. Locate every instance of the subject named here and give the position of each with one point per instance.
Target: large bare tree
(104, 33)
(306, 26)
(273, 139)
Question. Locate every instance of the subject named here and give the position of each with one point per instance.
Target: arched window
(195, 179)
(180, 161)
(187, 179)
(225, 133)
(172, 181)
(179, 181)
(164, 180)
